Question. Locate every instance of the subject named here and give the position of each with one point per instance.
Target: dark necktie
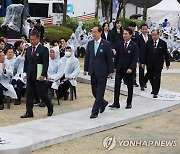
(30, 31)
(125, 46)
(154, 46)
(33, 51)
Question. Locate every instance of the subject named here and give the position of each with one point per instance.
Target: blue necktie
(95, 47)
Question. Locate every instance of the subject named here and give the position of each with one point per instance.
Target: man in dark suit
(134, 38)
(141, 42)
(156, 52)
(124, 65)
(36, 54)
(99, 65)
(32, 27)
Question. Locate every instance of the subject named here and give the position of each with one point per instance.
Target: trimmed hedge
(73, 23)
(1, 21)
(127, 21)
(57, 32)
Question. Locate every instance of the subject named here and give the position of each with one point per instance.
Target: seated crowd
(62, 71)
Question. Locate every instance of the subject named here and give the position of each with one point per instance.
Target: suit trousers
(41, 90)
(98, 89)
(129, 80)
(63, 88)
(19, 88)
(143, 78)
(2, 88)
(155, 79)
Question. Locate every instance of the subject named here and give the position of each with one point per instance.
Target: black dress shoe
(145, 86)
(1, 107)
(93, 116)
(50, 111)
(103, 108)
(135, 85)
(42, 104)
(128, 106)
(36, 102)
(155, 96)
(66, 96)
(152, 92)
(17, 102)
(27, 115)
(142, 88)
(114, 106)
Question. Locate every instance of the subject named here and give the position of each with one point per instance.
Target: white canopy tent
(166, 9)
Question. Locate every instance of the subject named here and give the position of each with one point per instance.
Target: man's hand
(167, 67)
(3, 66)
(25, 78)
(69, 78)
(143, 66)
(129, 71)
(84, 73)
(110, 75)
(49, 79)
(23, 53)
(114, 51)
(41, 78)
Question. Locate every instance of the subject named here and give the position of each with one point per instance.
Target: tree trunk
(97, 8)
(145, 10)
(103, 8)
(111, 10)
(64, 13)
(119, 9)
(25, 9)
(124, 10)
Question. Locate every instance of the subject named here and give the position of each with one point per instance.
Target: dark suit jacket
(101, 64)
(126, 59)
(115, 37)
(135, 36)
(156, 58)
(103, 36)
(32, 30)
(142, 46)
(41, 56)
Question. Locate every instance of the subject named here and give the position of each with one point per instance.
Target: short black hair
(24, 36)
(38, 21)
(129, 30)
(63, 39)
(143, 25)
(11, 48)
(35, 33)
(30, 21)
(100, 29)
(157, 30)
(54, 41)
(3, 35)
(132, 24)
(1, 40)
(46, 40)
(17, 44)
